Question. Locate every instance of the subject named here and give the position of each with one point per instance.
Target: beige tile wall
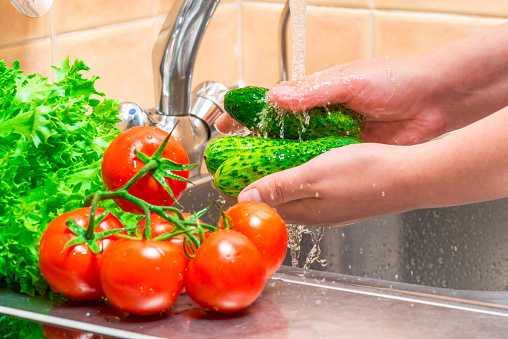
(115, 37)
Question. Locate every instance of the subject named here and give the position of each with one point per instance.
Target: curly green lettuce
(52, 138)
(14, 328)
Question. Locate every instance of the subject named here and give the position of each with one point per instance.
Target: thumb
(319, 89)
(278, 188)
(293, 95)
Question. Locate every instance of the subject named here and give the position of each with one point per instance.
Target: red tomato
(160, 226)
(227, 274)
(143, 277)
(120, 164)
(265, 228)
(74, 270)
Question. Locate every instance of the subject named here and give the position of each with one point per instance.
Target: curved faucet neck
(175, 51)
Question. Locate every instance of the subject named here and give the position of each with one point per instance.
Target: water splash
(295, 233)
(316, 234)
(294, 239)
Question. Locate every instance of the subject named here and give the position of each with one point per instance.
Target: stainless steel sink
(436, 248)
(463, 247)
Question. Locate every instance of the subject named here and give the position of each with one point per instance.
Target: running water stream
(297, 9)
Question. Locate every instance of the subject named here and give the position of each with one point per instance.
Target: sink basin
(463, 247)
(436, 247)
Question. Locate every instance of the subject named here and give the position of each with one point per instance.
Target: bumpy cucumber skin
(224, 148)
(248, 106)
(244, 105)
(234, 174)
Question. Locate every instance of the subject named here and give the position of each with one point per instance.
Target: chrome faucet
(173, 58)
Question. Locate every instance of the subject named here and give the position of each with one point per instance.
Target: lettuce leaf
(15, 328)
(52, 138)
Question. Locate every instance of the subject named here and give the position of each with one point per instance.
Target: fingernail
(250, 195)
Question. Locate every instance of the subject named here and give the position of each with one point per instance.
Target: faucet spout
(175, 51)
(173, 57)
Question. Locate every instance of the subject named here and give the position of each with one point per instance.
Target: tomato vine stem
(160, 168)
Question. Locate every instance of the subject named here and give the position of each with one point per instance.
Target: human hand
(397, 96)
(339, 187)
(405, 101)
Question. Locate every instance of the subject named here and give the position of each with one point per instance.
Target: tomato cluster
(88, 254)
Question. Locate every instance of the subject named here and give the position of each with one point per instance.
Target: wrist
(471, 77)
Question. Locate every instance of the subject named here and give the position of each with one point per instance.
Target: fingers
(296, 96)
(227, 125)
(319, 89)
(280, 188)
(293, 192)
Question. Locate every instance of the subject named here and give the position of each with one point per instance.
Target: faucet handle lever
(208, 103)
(131, 115)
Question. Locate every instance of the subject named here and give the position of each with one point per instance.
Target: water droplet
(112, 319)
(89, 314)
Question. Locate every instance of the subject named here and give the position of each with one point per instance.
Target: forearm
(470, 165)
(472, 76)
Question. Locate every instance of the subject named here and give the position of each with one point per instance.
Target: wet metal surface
(294, 304)
(459, 247)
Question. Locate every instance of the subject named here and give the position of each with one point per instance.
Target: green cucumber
(239, 169)
(224, 148)
(248, 105)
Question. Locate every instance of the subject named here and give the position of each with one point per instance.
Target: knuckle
(276, 192)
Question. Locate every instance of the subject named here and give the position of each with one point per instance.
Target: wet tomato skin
(120, 164)
(227, 273)
(141, 276)
(264, 227)
(74, 270)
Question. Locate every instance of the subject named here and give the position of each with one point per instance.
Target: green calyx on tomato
(88, 235)
(88, 253)
(190, 230)
(142, 183)
(148, 163)
(71, 267)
